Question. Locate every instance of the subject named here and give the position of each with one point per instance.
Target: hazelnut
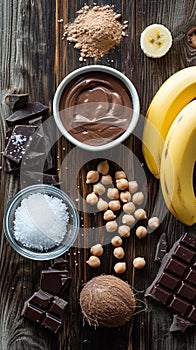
(124, 231)
(120, 267)
(138, 198)
(119, 253)
(129, 208)
(133, 186)
(103, 167)
(125, 196)
(141, 232)
(114, 205)
(120, 175)
(102, 205)
(106, 180)
(92, 198)
(116, 241)
(97, 249)
(109, 215)
(140, 214)
(153, 222)
(92, 177)
(128, 219)
(111, 226)
(94, 261)
(122, 184)
(98, 189)
(113, 193)
(139, 263)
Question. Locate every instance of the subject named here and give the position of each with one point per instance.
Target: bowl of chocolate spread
(96, 107)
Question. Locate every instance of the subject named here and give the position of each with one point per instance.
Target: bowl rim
(48, 189)
(106, 69)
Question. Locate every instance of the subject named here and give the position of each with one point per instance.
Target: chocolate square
(19, 142)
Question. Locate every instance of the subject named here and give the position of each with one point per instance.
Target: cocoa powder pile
(95, 31)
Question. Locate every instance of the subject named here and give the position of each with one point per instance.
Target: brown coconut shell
(107, 301)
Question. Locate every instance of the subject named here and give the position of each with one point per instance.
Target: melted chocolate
(96, 108)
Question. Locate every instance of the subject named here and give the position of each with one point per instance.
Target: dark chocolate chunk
(179, 324)
(23, 115)
(17, 101)
(175, 284)
(45, 309)
(161, 249)
(19, 142)
(59, 264)
(54, 281)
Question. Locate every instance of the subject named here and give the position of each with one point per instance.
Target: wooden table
(34, 59)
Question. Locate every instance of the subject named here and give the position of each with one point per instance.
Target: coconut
(107, 301)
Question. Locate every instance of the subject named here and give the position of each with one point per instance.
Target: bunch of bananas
(169, 142)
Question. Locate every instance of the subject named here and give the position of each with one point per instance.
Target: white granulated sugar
(41, 221)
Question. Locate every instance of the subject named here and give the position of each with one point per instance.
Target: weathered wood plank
(26, 64)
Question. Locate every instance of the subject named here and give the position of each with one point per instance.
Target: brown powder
(95, 31)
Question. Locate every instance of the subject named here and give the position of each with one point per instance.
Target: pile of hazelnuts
(125, 197)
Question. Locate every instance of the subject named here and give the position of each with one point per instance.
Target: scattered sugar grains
(41, 221)
(95, 31)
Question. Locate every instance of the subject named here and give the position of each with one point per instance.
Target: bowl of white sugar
(41, 222)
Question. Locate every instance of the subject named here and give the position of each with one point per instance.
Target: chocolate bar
(54, 281)
(45, 309)
(175, 284)
(161, 248)
(23, 115)
(19, 142)
(17, 101)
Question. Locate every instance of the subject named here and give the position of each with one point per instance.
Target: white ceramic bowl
(102, 69)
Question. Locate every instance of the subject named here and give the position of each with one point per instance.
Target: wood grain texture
(34, 59)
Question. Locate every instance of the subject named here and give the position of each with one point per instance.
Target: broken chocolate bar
(23, 115)
(19, 142)
(45, 309)
(175, 284)
(17, 101)
(161, 248)
(54, 281)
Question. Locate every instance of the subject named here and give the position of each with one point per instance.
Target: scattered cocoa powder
(95, 31)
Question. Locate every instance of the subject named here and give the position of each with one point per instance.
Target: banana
(177, 166)
(175, 93)
(155, 40)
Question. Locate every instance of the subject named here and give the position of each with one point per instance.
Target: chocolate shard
(17, 101)
(19, 142)
(45, 309)
(54, 281)
(175, 283)
(161, 249)
(23, 115)
(180, 324)
(59, 264)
